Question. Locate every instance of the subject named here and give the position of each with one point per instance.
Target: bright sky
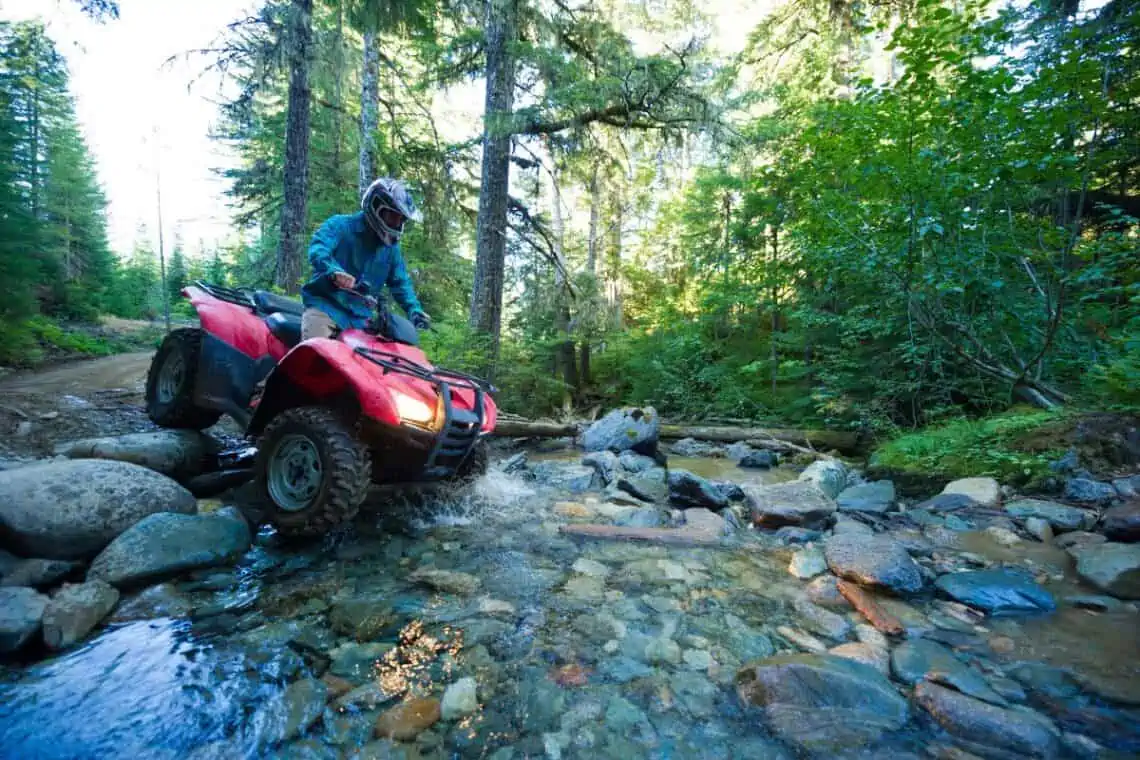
(125, 90)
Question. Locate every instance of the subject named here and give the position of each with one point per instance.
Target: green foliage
(997, 446)
(30, 342)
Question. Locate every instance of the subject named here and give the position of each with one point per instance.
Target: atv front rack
(461, 428)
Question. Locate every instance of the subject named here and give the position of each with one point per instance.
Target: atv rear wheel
(312, 471)
(171, 380)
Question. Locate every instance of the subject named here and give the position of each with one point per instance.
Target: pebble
(1040, 529)
(406, 720)
(662, 650)
(459, 699)
(495, 607)
(587, 566)
(572, 509)
(1003, 536)
(697, 659)
(807, 563)
(803, 640)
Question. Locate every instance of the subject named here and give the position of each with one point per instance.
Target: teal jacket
(346, 243)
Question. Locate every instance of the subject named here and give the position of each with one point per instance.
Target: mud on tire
(170, 383)
(345, 471)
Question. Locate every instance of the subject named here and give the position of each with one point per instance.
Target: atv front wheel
(475, 465)
(312, 471)
(171, 380)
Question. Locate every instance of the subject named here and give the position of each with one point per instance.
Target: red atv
(335, 414)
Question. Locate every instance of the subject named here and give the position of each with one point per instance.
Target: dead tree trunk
(296, 183)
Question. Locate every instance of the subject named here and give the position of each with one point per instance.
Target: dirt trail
(82, 377)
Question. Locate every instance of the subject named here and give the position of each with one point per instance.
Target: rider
(354, 255)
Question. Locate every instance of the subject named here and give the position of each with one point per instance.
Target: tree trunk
(772, 273)
(369, 99)
(564, 357)
(490, 245)
(338, 89)
(613, 285)
(591, 267)
(296, 150)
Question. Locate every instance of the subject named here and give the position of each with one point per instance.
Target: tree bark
(490, 236)
(591, 267)
(564, 357)
(296, 184)
(369, 99)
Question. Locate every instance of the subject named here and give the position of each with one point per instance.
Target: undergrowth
(40, 339)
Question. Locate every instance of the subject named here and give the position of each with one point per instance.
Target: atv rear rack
(461, 429)
(236, 296)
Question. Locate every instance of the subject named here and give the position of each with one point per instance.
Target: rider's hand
(421, 320)
(344, 280)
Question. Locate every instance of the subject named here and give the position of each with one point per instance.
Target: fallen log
(780, 439)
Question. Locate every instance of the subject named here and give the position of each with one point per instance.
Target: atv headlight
(412, 409)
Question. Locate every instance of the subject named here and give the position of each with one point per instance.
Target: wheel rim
(294, 473)
(170, 378)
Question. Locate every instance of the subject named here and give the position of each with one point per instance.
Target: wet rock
(759, 460)
(1127, 488)
(877, 497)
(824, 591)
(822, 703)
(515, 464)
(917, 660)
(1088, 491)
(645, 517)
(875, 657)
(631, 461)
(358, 661)
(362, 618)
(294, 710)
(689, 490)
(179, 454)
(1081, 746)
(743, 641)
(729, 490)
(75, 609)
(946, 502)
(1063, 518)
(691, 447)
(1039, 529)
(1078, 538)
(161, 600)
(38, 573)
(698, 519)
(828, 475)
(624, 669)
(1122, 523)
(573, 509)
(801, 639)
(1111, 567)
(1045, 680)
(605, 464)
(695, 692)
(21, 613)
(624, 429)
(661, 651)
(986, 727)
(407, 720)
(585, 588)
(72, 509)
(807, 563)
(165, 544)
(337, 687)
(587, 566)
(821, 621)
(984, 491)
(446, 581)
(798, 503)
(697, 659)
(647, 485)
(997, 591)
(459, 699)
(845, 525)
(876, 561)
(1003, 536)
(574, 478)
(795, 535)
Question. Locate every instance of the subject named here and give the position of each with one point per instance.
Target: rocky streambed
(598, 607)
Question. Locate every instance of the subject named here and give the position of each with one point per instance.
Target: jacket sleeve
(321, 249)
(401, 284)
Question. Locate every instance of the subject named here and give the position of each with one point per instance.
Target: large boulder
(691, 447)
(829, 475)
(38, 573)
(997, 591)
(915, 660)
(21, 612)
(631, 461)
(822, 703)
(689, 490)
(760, 460)
(72, 509)
(985, 491)
(567, 476)
(1123, 523)
(647, 485)
(1088, 491)
(795, 503)
(605, 464)
(1111, 567)
(877, 497)
(179, 454)
(624, 429)
(166, 544)
(1061, 517)
(75, 609)
(872, 560)
(983, 727)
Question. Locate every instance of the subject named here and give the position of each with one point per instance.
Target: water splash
(495, 496)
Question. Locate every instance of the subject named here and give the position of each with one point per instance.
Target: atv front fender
(321, 369)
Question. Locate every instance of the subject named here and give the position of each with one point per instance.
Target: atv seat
(286, 327)
(268, 303)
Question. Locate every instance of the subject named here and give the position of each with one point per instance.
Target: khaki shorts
(316, 324)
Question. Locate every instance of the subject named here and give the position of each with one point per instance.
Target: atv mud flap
(227, 377)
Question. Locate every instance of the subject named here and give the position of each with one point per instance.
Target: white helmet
(391, 196)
